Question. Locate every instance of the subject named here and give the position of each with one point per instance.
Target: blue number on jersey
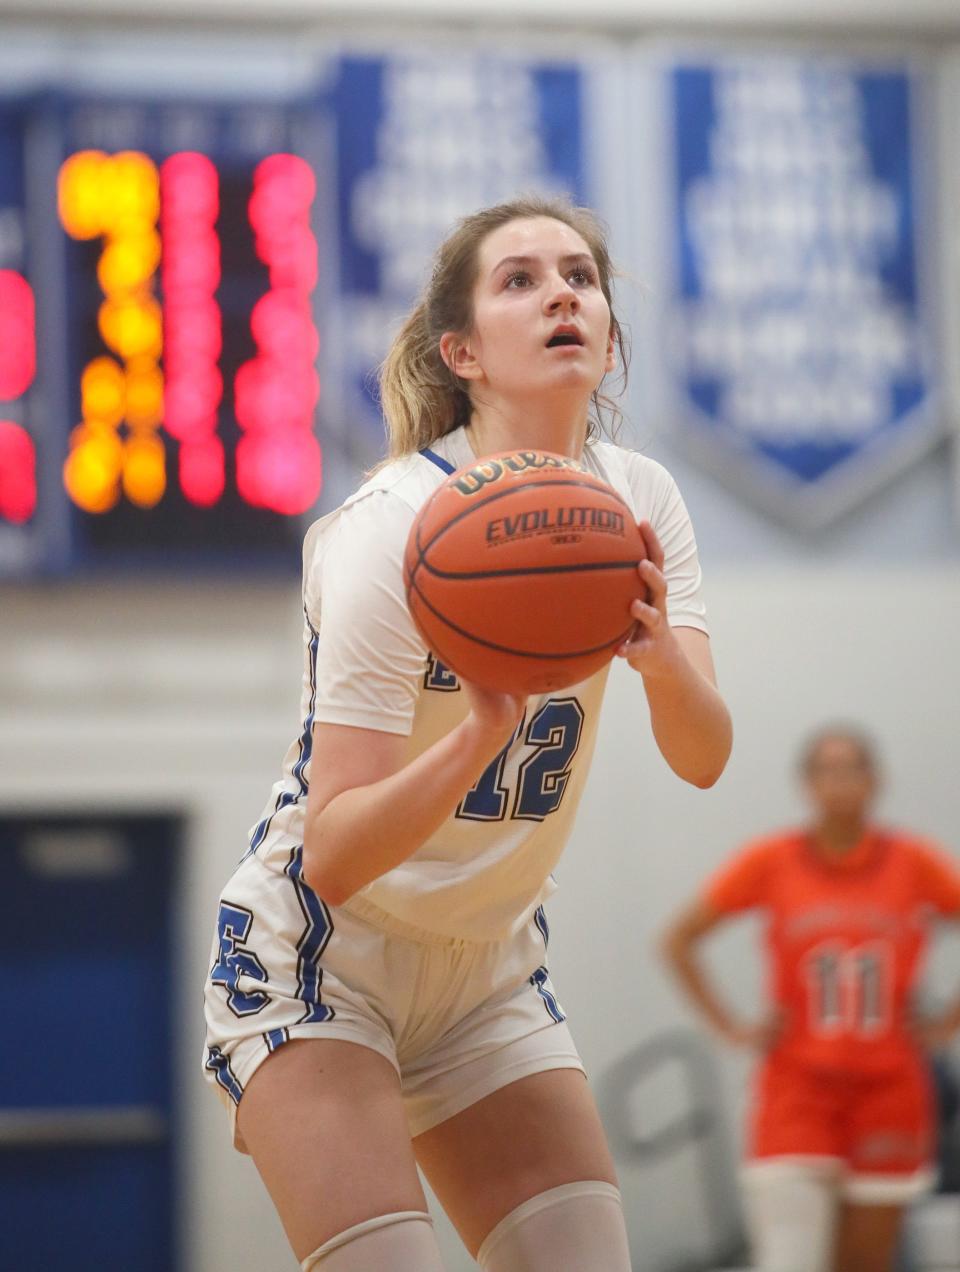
(439, 677)
(487, 799)
(233, 926)
(555, 731)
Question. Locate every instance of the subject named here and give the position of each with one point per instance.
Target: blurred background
(212, 214)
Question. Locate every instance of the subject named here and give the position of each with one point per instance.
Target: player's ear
(458, 356)
(611, 362)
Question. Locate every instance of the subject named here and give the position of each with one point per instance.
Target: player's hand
(652, 648)
(494, 712)
(933, 1033)
(759, 1036)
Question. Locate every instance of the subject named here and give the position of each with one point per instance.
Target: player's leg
(324, 1122)
(526, 1176)
(301, 1048)
(791, 1181)
(890, 1163)
(791, 1209)
(867, 1237)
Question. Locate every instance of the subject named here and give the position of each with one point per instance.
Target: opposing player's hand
(760, 1036)
(933, 1033)
(652, 648)
(495, 712)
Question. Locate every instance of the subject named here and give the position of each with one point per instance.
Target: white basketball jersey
(487, 868)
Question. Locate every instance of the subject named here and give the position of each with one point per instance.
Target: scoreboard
(198, 283)
(159, 394)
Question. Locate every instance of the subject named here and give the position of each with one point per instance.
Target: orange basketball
(520, 570)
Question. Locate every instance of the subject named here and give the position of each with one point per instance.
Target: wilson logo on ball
(470, 481)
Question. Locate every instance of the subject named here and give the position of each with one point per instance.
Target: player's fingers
(630, 648)
(652, 543)
(649, 615)
(656, 583)
(628, 642)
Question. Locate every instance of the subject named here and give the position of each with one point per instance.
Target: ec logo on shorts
(233, 962)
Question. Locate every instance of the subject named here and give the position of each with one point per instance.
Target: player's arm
(368, 808)
(679, 946)
(367, 811)
(941, 891)
(689, 718)
(938, 1031)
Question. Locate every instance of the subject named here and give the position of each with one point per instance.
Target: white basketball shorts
(457, 1019)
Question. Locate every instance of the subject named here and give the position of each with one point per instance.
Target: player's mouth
(564, 336)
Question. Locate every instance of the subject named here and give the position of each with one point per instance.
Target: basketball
(520, 570)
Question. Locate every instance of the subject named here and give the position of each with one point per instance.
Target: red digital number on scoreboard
(162, 369)
(192, 335)
(276, 392)
(18, 358)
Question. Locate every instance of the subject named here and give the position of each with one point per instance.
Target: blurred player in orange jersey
(841, 1130)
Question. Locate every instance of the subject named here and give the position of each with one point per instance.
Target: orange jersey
(844, 941)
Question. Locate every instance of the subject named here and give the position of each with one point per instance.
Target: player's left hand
(933, 1033)
(652, 648)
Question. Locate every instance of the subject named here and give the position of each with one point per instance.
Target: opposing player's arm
(940, 884)
(678, 945)
(367, 810)
(679, 948)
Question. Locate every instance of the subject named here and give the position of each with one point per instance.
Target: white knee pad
(791, 1209)
(576, 1227)
(402, 1242)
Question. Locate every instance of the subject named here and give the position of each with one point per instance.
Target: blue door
(86, 1154)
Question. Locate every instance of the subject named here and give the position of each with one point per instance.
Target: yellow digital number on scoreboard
(115, 447)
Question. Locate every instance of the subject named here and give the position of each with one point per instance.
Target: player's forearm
(690, 722)
(367, 830)
(682, 961)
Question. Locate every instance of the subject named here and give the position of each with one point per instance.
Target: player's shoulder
(910, 846)
(779, 849)
(650, 484)
(616, 458)
(387, 501)
(411, 479)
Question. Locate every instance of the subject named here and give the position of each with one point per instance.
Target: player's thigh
(324, 1123)
(867, 1237)
(536, 1133)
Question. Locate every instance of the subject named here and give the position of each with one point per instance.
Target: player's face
(840, 779)
(540, 320)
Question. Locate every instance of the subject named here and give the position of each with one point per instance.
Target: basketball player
(379, 993)
(841, 1133)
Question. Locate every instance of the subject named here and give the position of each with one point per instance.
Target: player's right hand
(494, 711)
(761, 1035)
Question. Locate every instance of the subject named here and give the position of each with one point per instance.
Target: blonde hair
(421, 397)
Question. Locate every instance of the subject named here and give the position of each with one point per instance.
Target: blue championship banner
(800, 335)
(424, 138)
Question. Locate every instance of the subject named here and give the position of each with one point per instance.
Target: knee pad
(577, 1227)
(402, 1242)
(791, 1209)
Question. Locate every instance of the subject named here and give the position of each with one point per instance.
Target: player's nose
(561, 298)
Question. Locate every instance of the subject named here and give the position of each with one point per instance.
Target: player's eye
(583, 275)
(518, 280)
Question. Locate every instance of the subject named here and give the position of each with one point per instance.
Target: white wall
(185, 697)
(932, 14)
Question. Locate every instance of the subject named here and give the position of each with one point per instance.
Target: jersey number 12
(554, 733)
